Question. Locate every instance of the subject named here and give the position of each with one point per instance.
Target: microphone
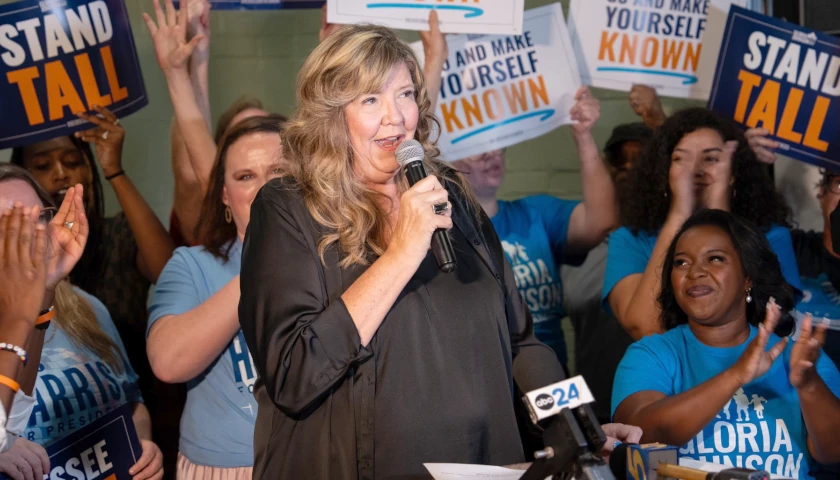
(640, 462)
(572, 432)
(410, 156)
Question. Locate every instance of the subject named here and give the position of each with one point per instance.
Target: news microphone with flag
(572, 434)
(410, 156)
(656, 461)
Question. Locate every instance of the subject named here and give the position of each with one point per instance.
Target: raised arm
(153, 242)
(301, 342)
(173, 54)
(592, 220)
(675, 419)
(435, 51)
(645, 103)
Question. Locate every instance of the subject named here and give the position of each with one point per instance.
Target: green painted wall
(259, 54)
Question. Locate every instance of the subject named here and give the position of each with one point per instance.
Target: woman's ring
(440, 208)
(105, 135)
(69, 225)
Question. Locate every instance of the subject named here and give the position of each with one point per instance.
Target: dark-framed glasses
(46, 215)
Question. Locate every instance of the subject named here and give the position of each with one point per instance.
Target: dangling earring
(228, 215)
(749, 295)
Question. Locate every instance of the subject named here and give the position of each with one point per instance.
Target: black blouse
(434, 385)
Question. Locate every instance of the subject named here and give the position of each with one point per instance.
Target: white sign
(659, 43)
(498, 91)
(495, 17)
(547, 401)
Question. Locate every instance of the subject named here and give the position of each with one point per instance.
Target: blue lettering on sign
(560, 395)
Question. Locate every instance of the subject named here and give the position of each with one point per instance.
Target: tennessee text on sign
(784, 78)
(103, 450)
(59, 57)
(498, 91)
(653, 42)
(262, 4)
(502, 17)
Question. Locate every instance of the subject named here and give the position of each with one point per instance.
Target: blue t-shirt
(74, 386)
(217, 426)
(629, 254)
(760, 427)
(533, 231)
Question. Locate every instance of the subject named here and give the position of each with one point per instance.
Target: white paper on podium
(461, 471)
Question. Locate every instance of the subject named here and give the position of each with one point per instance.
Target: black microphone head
(618, 460)
(536, 367)
(409, 151)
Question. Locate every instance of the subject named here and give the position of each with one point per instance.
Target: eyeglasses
(831, 183)
(46, 215)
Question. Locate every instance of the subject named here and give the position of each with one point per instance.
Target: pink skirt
(190, 471)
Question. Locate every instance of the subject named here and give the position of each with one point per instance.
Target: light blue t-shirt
(629, 254)
(533, 231)
(217, 426)
(74, 386)
(760, 427)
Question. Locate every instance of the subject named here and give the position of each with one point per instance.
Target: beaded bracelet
(4, 380)
(16, 350)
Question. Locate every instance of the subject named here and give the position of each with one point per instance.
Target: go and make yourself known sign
(658, 43)
(498, 91)
(495, 17)
(784, 78)
(60, 57)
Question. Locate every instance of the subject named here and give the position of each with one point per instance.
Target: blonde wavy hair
(353, 61)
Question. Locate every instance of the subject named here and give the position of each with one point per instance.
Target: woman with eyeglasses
(125, 253)
(75, 364)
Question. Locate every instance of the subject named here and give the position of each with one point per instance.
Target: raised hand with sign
(107, 137)
(763, 146)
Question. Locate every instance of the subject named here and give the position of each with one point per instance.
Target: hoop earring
(749, 295)
(228, 215)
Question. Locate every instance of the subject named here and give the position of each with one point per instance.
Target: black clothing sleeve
(302, 345)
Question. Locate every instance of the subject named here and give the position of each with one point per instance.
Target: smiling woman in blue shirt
(720, 382)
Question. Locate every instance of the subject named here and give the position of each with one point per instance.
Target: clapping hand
(805, 352)
(756, 359)
(68, 233)
(23, 247)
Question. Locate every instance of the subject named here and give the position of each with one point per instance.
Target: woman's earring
(749, 295)
(228, 215)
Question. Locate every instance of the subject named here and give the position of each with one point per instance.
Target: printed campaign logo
(469, 12)
(657, 43)
(74, 391)
(783, 78)
(494, 17)
(745, 434)
(243, 363)
(535, 281)
(498, 91)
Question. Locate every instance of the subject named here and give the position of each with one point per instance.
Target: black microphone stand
(572, 438)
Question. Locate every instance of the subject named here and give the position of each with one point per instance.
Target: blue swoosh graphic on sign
(688, 79)
(471, 11)
(544, 113)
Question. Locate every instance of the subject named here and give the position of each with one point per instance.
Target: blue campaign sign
(104, 449)
(784, 78)
(60, 57)
(263, 4)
